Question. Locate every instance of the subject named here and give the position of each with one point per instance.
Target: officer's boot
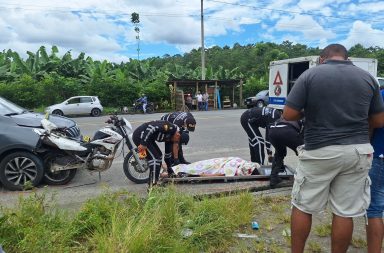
(277, 163)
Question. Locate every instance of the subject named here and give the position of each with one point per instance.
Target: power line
(109, 12)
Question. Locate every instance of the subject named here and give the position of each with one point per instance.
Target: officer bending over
(251, 120)
(187, 123)
(145, 138)
(283, 134)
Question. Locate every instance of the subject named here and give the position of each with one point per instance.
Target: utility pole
(135, 19)
(202, 43)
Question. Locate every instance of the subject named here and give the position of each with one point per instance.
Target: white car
(77, 105)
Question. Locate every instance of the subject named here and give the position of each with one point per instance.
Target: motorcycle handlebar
(112, 120)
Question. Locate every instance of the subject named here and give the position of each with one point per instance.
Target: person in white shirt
(199, 98)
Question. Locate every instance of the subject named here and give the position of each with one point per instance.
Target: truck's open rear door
(278, 85)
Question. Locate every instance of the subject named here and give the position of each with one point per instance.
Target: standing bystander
(188, 102)
(199, 99)
(334, 163)
(375, 227)
(205, 101)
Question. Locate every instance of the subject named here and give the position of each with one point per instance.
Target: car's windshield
(7, 107)
(262, 93)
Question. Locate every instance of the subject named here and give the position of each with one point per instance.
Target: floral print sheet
(228, 166)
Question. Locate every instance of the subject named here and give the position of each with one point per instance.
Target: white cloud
(364, 34)
(102, 28)
(304, 24)
(310, 5)
(369, 7)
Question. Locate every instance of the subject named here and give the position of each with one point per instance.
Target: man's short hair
(334, 50)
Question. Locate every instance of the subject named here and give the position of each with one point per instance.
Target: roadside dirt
(272, 212)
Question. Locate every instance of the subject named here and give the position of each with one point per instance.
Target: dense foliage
(45, 78)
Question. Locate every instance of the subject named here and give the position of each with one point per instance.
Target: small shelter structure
(222, 93)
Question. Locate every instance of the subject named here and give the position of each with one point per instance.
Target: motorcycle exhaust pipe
(104, 157)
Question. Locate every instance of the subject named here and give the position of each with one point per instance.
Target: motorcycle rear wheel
(150, 109)
(132, 170)
(58, 177)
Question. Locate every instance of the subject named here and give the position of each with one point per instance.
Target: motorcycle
(64, 155)
(138, 107)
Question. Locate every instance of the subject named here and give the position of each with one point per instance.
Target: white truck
(284, 73)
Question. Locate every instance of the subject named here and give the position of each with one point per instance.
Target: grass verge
(166, 221)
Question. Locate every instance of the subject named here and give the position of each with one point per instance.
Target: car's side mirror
(66, 103)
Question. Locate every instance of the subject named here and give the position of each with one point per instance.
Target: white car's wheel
(58, 112)
(95, 112)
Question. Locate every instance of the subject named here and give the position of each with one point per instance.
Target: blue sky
(102, 28)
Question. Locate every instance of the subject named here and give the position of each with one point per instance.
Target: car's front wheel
(95, 112)
(260, 103)
(19, 168)
(58, 112)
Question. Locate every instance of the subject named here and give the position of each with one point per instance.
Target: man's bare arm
(376, 120)
(291, 114)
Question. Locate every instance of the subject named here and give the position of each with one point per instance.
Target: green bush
(253, 85)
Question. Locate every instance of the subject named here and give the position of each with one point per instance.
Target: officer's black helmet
(184, 138)
(190, 122)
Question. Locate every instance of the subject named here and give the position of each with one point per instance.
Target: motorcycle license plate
(86, 138)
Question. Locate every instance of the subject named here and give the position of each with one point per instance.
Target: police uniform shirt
(263, 117)
(159, 130)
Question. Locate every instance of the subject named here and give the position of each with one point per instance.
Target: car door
(86, 105)
(72, 106)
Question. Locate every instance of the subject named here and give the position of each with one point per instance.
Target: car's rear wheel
(19, 168)
(95, 112)
(58, 112)
(260, 103)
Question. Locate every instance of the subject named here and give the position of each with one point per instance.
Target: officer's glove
(171, 173)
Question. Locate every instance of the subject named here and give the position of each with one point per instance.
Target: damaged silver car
(21, 159)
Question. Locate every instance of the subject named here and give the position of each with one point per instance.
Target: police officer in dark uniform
(187, 123)
(145, 138)
(283, 134)
(251, 120)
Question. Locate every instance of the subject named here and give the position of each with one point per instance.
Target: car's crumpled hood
(34, 120)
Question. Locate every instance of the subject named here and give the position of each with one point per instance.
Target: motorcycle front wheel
(132, 169)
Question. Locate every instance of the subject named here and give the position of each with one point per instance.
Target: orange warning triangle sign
(278, 80)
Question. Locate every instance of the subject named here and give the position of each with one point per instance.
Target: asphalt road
(217, 134)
